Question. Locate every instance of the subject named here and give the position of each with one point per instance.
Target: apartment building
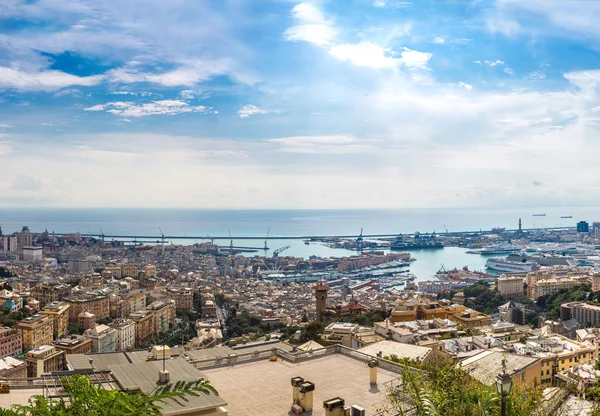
(103, 338)
(74, 344)
(421, 309)
(582, 312)
(129, 270)
(549, 286)
(114, 270)
(144, 326)
(183, 298)
(59, 312)
(466, 317)
(510, 286)
(125, 333)
(10, 300)
(44, 359)
(37, 330)
(163, 315)
(50, 293)
(12, 368)
(80, 266)
(11, 342)
(95, 303)
(150, 271)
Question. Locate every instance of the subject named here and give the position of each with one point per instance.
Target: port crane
(101, 234)
(230, 240)
(359, 241)
(279, 250)
(266, 238)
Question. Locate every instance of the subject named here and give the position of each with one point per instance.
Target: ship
(500, 249)
(566, 216)
(419, 242)
(543, 259)
(539, 215)
(503, 265)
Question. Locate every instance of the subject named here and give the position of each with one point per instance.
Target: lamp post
(503, 384)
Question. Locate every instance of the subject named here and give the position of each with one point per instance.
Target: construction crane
(230, 240)
(101, 234)
(446, 229)
(162, 236)
(279, 250)
(266, 238)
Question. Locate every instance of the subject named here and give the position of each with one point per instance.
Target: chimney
(334, 407)
(373, 363)
(296, 381)
(305, 399)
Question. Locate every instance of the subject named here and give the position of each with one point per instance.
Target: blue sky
(287, 104)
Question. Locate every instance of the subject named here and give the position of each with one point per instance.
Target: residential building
(74, 344)
(31, 253)
(10, 244)
(549, 286)
(183, 298)
(420, 309)
(484, 367)
(10, 300)
(510, 286)
(37, 330)
(11, 342)
(582, 312)
(134, 301)
(44, 359)
(59, 312)
(129, 270)
(150, 271)
(49, 293)
(103, 338)
(114, 270)
(209, 308)
(466, 317)
(95, 303)
(12, 368)
(506, 332)
(512, 312)
(125, 333)
(86, 320)
(80, 266)
(144, 326)
(163, 315)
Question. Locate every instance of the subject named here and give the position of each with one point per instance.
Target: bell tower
(321, 296)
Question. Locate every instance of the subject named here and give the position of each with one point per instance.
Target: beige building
(74, 344)
(509, 286)
(114, 270)
(86, 320)
(37, 330)
(144, 326)
(44, 359)
(97, 304)
(50, 293)
(129, 270)
(11, 342)
(466, 317)
(59, 312)
(163, 315)
(150, 271)
(183, 298)
(549, 286)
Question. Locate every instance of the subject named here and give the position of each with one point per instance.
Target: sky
(288, 104)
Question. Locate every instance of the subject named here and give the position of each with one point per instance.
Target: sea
(207, 224)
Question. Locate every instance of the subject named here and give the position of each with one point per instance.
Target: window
(547, 372)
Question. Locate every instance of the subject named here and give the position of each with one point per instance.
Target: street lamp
(503, 384)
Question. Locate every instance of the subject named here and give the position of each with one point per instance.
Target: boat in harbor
(500, 249)
(539, 215)
(566, 216)
(504, 265)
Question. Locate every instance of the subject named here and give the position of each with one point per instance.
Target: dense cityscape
(111, 309)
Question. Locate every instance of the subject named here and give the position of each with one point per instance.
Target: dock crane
(266, 238)
(446, 229)
(101, 234)
(279, 250)
(359, 241)
(230, 240)
(162, 236)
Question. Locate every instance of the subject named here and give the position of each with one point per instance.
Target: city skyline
(289, 104)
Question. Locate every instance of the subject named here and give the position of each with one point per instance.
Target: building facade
(50, 293)
(44, 359)
(103, 338)
(144, 326)
(11, 342)
(79, 266)
(125, 334)
(74, 344)
(183, 298)
(31, 253)
(59, 312)
(37, 330)
(129, 270)
(549, 286)
(97, 304)
(163, 315)
(510, 286)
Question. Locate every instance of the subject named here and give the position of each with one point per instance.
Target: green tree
(83, 397)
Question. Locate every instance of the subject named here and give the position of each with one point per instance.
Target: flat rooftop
(334, 375)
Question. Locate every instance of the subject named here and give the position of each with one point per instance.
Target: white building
(125, 333)
(9, 243)
(31, 253)
(103, 338)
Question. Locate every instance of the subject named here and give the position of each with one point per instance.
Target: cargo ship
(419, 242)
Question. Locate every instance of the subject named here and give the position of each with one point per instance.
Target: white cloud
(500, 24)
(333, 144)
(477, 62)
(43, 80)
(312, 27)
(500, 64)
(251, 110)
(374, 56)
(69, 91)
(195, 93)
(440, 40)
(536, 75)
(379, 3)
(508, 70)
(163, 107)
(46, 124)
(465, 86)
(494, 63)
(5, 148)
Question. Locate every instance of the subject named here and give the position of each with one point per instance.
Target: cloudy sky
(284, 104)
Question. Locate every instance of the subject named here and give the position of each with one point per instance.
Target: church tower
(321, 296)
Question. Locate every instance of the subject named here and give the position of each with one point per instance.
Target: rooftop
(486, 365)
(334, 375)
(388, 348)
